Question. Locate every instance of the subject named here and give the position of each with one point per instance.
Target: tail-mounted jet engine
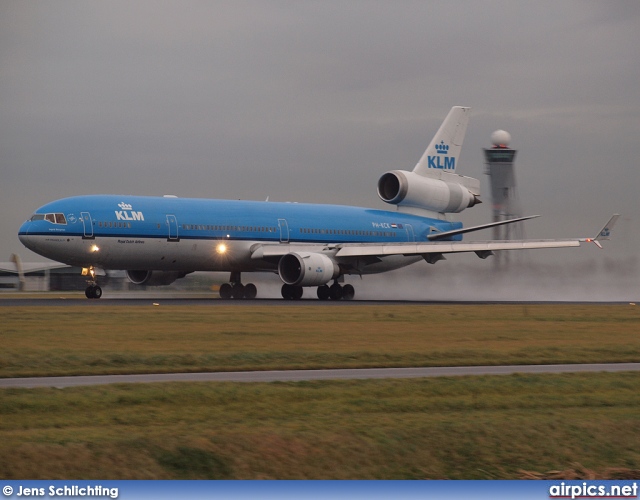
(408, 189)
(154, 278)
(307, 269)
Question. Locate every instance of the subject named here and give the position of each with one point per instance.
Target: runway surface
(199, 300)
(189, 301)
(302, 375)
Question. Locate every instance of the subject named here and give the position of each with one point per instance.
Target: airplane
(158, 240)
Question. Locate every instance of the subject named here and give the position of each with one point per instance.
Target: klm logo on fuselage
(441, 160)
(127, 213)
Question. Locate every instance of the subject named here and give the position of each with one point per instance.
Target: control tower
(504, 196)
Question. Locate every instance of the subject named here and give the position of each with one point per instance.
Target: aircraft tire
(286, 292)
(323, 292)
(290, 292)
(250, 291)
(226, 291)
(93, 292)
(335, 291)
(348, 292)
(238, 291)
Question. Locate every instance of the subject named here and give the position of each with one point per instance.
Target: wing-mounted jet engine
(433, 185)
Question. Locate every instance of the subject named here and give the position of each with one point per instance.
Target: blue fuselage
(136, 232)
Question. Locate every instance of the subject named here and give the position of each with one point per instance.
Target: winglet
(605, 232)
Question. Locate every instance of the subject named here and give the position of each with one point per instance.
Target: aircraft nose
(23, 233)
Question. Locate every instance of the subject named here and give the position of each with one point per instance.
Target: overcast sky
(312, 101)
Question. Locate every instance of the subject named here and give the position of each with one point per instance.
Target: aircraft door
(410, 234)
(87, 223)
(284, 230)
(172, 222)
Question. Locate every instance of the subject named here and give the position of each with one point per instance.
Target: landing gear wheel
(238, 291)
(93, 292)
(290, 292)
(324, 292)
(335, 291)
(250, 291)
(226, 292)
(348, 292)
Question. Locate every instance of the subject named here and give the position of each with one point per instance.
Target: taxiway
(305, 375)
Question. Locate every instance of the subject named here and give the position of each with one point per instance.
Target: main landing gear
(336, 292)
(236, 290)
(325, 292)
(93, 291)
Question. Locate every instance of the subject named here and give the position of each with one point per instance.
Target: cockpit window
(53, 218)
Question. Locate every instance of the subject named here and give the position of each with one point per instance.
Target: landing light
(95, 248)
(221, 249)
(88, 271)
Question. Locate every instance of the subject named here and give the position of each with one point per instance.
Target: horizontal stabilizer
(447, 234)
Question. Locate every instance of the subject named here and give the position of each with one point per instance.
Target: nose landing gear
(93, 291)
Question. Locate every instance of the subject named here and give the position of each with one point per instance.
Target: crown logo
(125, 206)
(442, 148)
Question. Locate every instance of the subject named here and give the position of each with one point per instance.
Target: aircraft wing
(430, 250)
(441, 247)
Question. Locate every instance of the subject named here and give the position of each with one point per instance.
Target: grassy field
(561, 426)
(578, 425)
(108, 340)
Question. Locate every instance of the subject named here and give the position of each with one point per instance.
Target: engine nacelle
(307, 269)
(154, 278)
(414, 190)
